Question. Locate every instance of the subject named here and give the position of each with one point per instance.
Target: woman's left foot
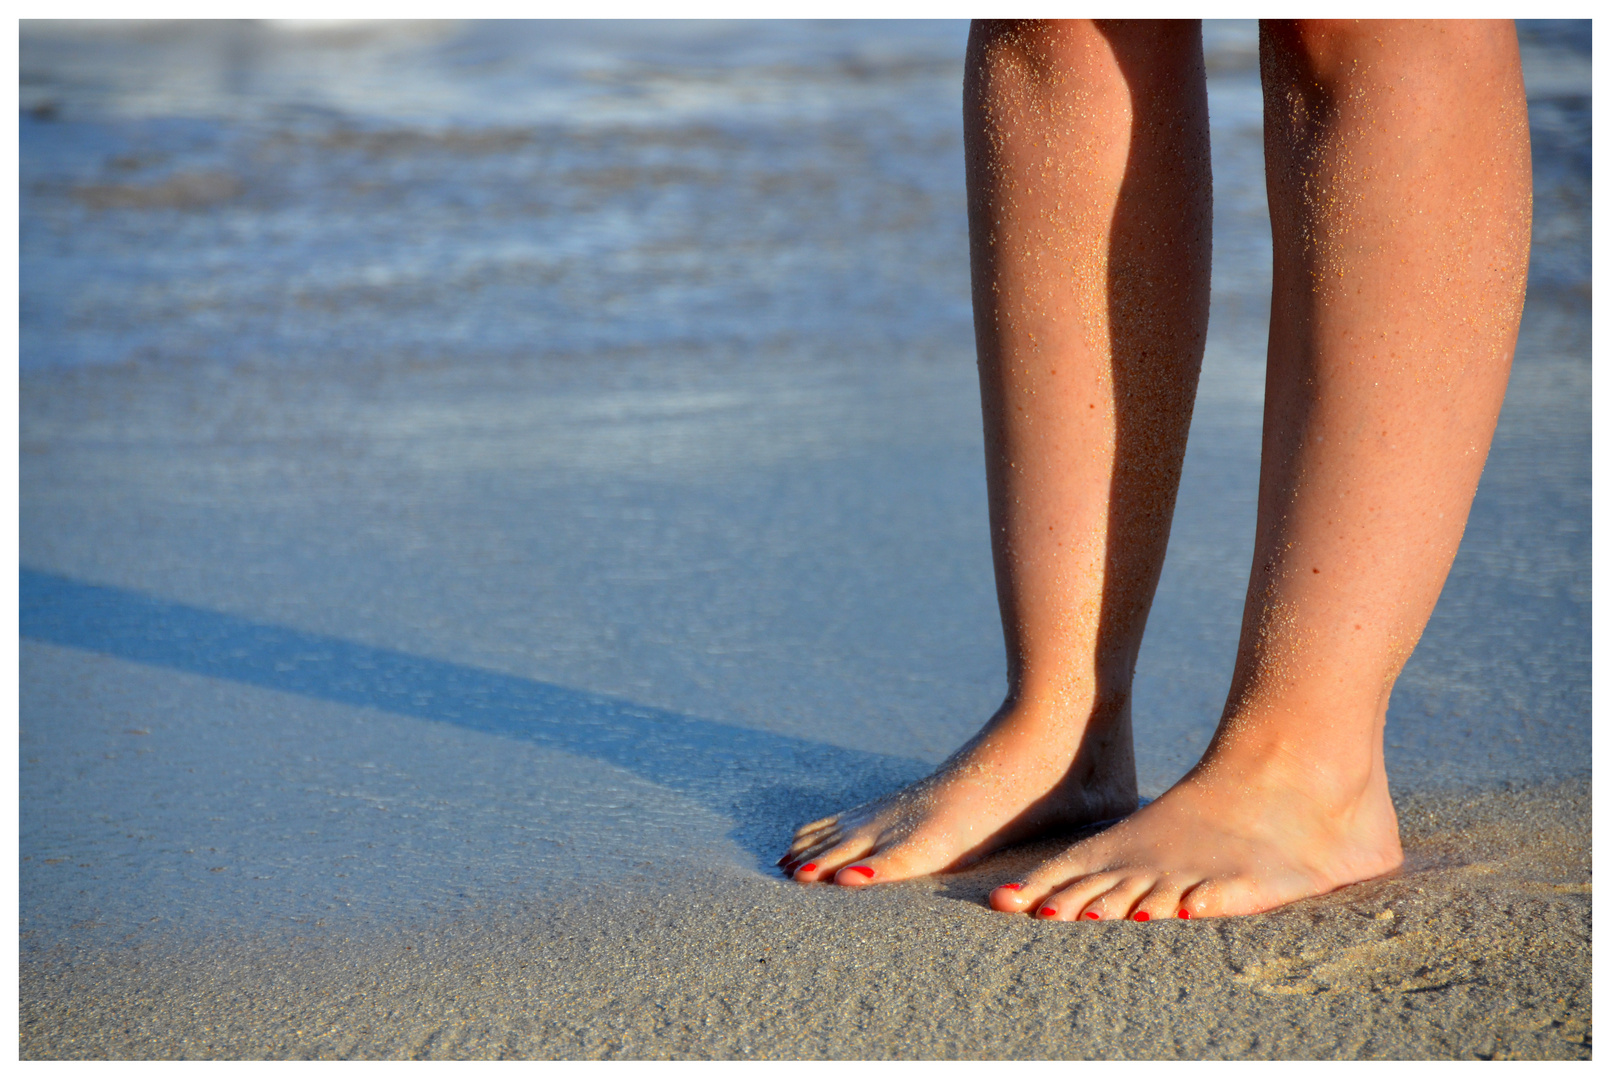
(1239, 834)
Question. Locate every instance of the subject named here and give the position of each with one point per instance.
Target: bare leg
(1089, 215)
(1400, 199)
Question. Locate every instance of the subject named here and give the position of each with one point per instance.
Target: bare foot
(1241, 833)
(1029, 770)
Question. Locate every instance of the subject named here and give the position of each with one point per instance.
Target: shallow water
(462, 461)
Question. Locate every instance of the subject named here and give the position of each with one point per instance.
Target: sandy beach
(482, 488)
(1479, 948)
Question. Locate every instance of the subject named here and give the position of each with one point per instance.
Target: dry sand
(1479, 948)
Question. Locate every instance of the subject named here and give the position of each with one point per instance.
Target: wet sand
(1478, 948)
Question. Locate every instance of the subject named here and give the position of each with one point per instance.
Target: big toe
(1231, 895)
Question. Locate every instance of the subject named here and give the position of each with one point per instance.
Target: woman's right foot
(1030, 770)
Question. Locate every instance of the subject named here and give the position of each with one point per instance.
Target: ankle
(1336, 764)
(1067, 706)
(1072, 741)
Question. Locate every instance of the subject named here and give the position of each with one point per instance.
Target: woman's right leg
(1089, 215)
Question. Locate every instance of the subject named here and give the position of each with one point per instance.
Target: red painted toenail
(1141, 916)
(1013, 885)
(1092, 915)
(807, 867)
(1047, 912)
(1184, 914)
(863, 870)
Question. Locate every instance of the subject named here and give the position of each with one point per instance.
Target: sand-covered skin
(1479, 948)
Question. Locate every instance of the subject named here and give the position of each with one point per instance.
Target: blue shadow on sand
(765, 782)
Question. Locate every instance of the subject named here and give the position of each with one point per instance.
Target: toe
(1199, 902)
(1009, 897)
(857, 875)
(831, 858)
(1163, 900)
(1069, 902)
(879, 866)
(808, 836)
(814, 868)
(806, 872)
(894, 863)
(1119, 901)
(885, 859)
(1224, 896)
(1221, 897)
(817, 825)
(1040, 883)
(802, 865)
(795, 855)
